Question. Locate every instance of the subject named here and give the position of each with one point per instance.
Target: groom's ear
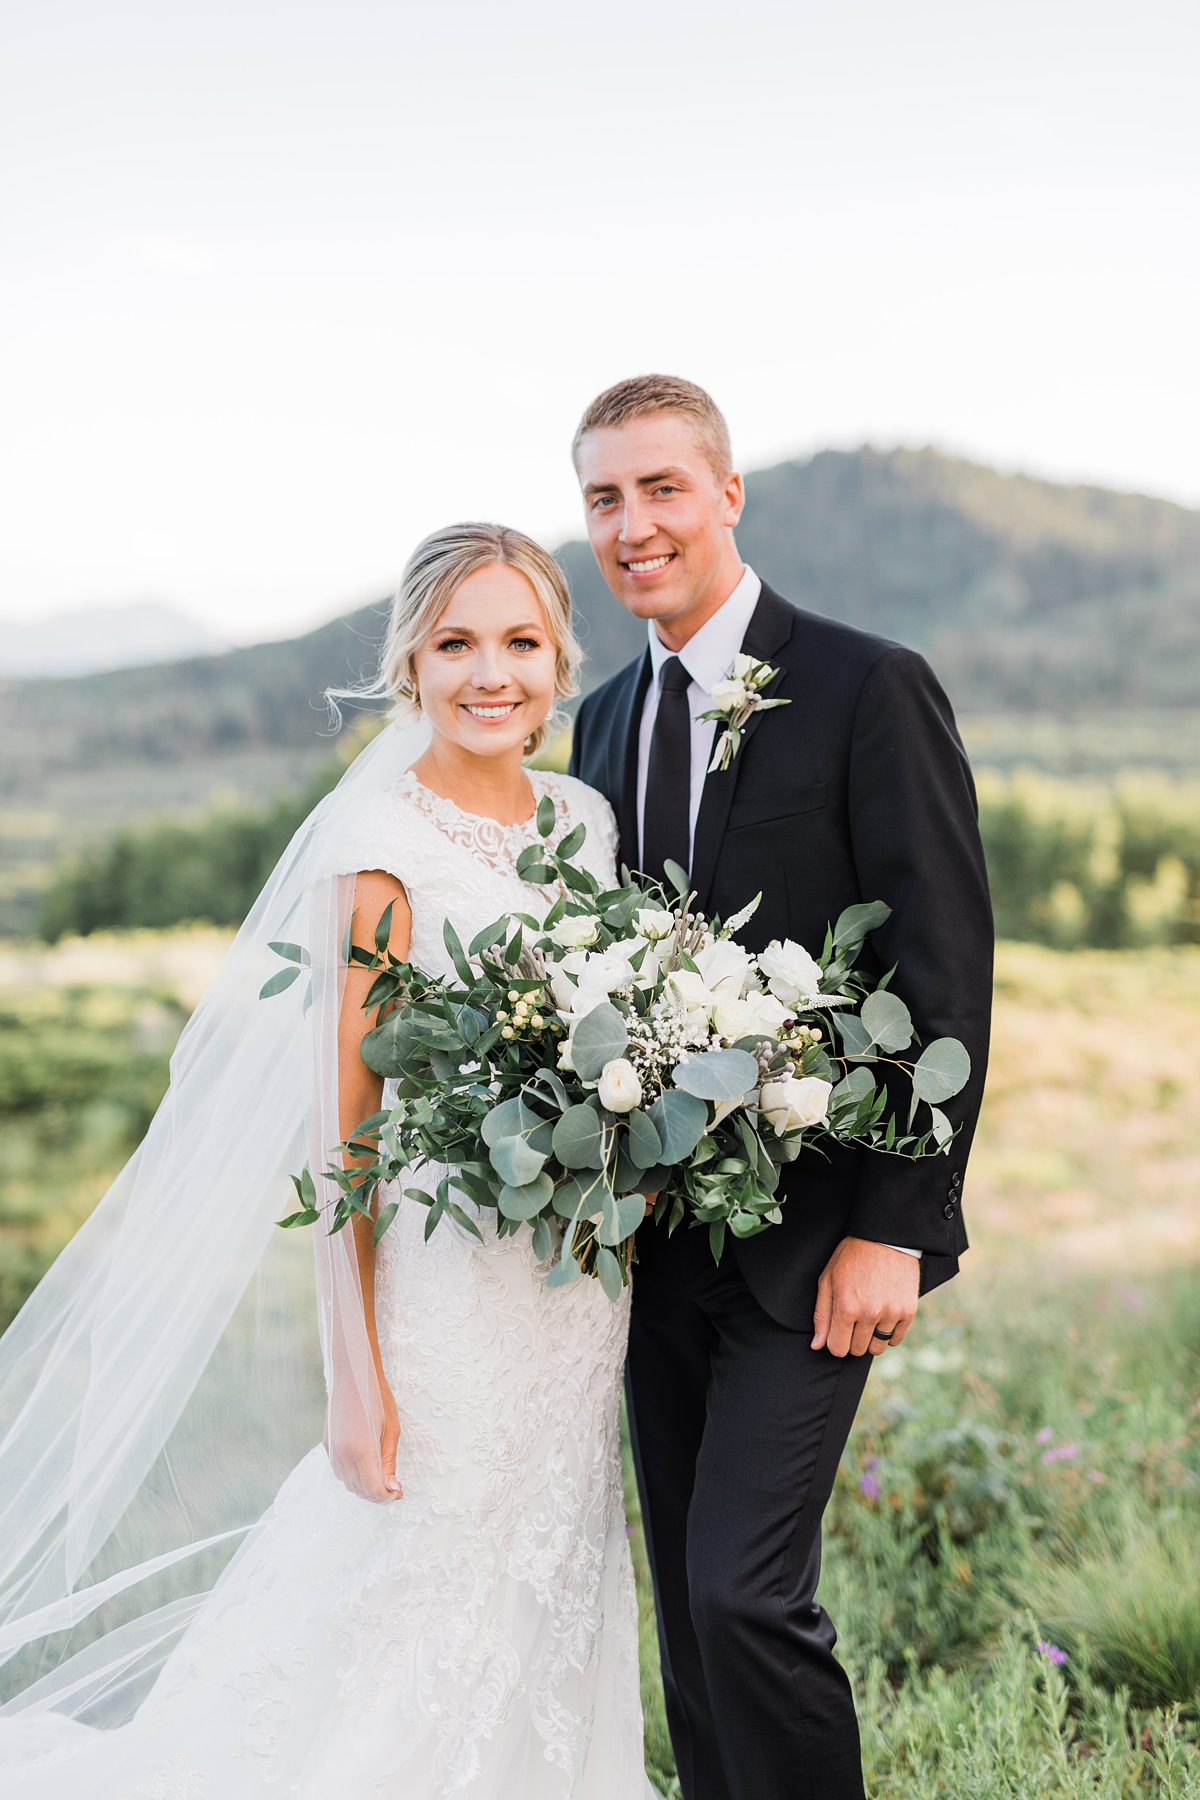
(735, 497)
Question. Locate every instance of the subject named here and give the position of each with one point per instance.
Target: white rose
(791, 973)
(729, 693)
(742, 665)
(575, 932)
(563, 976)
(565, 1059)
(619, 1088)
(654, 923)
(796, 1102)
(731, 1018)
(724, 967)
(600, 976)
(764, 1012)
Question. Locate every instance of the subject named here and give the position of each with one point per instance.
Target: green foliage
(81, 1074)
(1026, 1474)
(171, 872)
(1073, 863)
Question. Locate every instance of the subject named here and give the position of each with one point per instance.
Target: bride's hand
(363, 1463)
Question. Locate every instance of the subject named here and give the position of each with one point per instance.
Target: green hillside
(1028, 596)
(1064, 621)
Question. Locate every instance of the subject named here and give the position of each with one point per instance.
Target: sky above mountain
(291, 285)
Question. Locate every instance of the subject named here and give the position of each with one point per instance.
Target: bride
(440, 1599)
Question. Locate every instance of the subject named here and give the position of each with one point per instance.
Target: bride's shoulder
(385, 830)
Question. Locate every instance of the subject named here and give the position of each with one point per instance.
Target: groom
(743, 1379)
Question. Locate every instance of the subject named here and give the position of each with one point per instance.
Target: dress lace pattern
(479, 1636)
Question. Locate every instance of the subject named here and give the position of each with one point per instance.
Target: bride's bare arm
(360, 1093)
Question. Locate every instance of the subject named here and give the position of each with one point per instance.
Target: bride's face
(486, 672)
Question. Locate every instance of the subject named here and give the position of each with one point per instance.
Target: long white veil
(163, 1377)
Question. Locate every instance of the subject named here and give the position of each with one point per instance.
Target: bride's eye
(525, 643)
(453, 643)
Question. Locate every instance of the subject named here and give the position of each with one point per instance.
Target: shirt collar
(709, 654)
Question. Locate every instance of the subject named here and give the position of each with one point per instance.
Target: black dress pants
(737, 1429)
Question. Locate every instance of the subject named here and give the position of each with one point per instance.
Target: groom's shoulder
(829, 644)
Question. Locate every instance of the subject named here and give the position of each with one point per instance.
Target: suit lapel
(769, 630)
(623, 742)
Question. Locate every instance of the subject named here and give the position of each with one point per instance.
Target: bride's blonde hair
(433, 574)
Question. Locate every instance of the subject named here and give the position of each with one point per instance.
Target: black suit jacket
(859, 790)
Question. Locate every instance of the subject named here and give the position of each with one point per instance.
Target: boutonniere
(736, 699)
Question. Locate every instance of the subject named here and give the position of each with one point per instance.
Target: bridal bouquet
(624, 1048)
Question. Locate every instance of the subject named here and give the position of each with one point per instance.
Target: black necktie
(665, 825)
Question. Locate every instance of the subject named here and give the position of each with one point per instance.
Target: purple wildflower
(629, 1531)
(868, 1484)
(1045, 1435)
(1052, 1653)
(1060, 1453)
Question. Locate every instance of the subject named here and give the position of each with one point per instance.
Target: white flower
(791, 973)
(565, 1059)
(602, 973)
(724, 968)
(766, 1012)
(729, 694)
(742, 664)
(796, 1102)
(731, 1020)
(575, 932)
(619, 1087)
(693, 999)
(654, 923)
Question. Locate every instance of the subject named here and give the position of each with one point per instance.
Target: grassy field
(1025, 1471)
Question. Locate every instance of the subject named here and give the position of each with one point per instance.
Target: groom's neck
(676, 630)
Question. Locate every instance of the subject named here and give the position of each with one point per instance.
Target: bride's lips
(478, 710)
(645, 568)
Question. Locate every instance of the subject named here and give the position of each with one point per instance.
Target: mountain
(102, 637)
(1026, 595)
(1069, 616)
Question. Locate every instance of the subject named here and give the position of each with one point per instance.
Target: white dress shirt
(707, 657)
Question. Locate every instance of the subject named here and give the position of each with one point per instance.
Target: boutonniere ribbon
(735, 700)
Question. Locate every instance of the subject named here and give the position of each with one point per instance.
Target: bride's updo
(436, 569)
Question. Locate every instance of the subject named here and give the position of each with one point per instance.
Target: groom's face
(661, 520)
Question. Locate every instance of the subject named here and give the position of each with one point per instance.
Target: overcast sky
(290, 285)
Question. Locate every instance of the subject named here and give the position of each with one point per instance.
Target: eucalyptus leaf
(608, 1270)
(631, 1210)
(644, 1145)
(717, 1074)
(579, 1138)
(547, 816)
(888, 1020)
(679, 1118)
(565, 1271)
(386, 1215)
(542, 1241)
(854, 924)
(677, 877)
(395, 1046)
(507, 1120)
(526, 1201)
(572, 842)
(855, 1085)
(943, 1130)
(856, 1039)
(943, 1070)
(515, 1163)
(599, 1038)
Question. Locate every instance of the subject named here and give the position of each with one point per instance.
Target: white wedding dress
(477, 1637)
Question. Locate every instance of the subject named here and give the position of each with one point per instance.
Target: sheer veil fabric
(128, 1472)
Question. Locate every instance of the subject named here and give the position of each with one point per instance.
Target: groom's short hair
(644, 394)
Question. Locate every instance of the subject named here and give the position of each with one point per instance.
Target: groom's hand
(865, 1285)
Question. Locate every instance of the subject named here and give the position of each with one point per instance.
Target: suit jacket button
(956, 1180)
(947, 1212)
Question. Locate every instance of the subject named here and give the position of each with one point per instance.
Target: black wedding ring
(887, 1336)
